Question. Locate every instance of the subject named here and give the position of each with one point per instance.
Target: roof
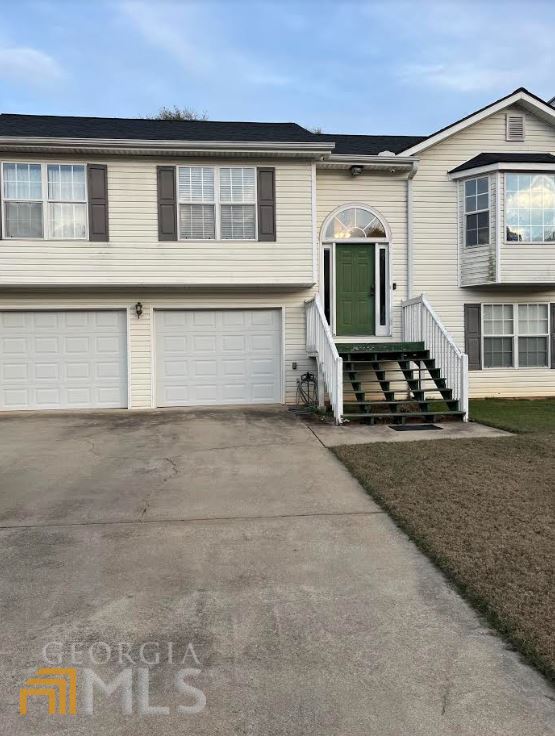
(369, 145)
(56, 126)
(488, 159)
(521, 94)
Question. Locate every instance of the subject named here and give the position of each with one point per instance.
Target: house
(148, 263)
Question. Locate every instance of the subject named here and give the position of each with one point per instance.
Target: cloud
(456, 76)
(29, 66)
(182, 34)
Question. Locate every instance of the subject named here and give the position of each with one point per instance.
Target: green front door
(355, 289)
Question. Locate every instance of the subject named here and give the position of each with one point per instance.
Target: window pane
(498, 319)
(196, 221)
(67, 221)
(23, 220)
(22, 181)
(237, 185)
(482, 185)
(196, 184)
(470, 187)
(66, 182)
(237, 221)
(533, 319)
(529, 202)
(532, 352)
(498, 352)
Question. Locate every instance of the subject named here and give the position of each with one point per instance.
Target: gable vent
(515, 127)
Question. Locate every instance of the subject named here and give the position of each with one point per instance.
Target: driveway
(237, 536)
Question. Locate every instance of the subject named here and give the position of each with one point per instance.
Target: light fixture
(138, 309)
(356, 170)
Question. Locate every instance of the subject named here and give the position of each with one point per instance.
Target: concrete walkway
(238, 532)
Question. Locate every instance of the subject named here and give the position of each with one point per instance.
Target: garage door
(63, 360)
(218, 357)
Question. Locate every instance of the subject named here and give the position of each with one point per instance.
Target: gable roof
(58, 126)
(488, 159)
(369, 145)
(520, 95)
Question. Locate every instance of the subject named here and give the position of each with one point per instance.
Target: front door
(355, 289)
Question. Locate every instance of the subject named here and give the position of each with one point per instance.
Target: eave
(504, 166)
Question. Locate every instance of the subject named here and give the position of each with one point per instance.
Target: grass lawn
(534, 415)
(484, 511)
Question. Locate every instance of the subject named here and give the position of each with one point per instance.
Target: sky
(346, 66)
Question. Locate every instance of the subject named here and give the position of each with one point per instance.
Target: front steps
(393, 383)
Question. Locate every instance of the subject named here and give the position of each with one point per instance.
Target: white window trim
(516, 334)
(521, 242)
(44, 201)
(476, 212)
(217, 205)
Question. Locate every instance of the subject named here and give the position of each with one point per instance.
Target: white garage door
(230, 356)
(63, 360)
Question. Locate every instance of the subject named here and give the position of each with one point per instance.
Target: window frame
(521, 242)
(516, 334)
(476, 212)
(218, 204)
(45, 201)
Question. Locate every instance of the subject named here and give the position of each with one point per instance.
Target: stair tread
(437, 413)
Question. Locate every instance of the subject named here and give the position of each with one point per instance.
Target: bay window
(530, 208)
(476, 211)
(516, 335)
(44, 201)
(217, 202)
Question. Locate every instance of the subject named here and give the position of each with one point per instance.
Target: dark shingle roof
(370, 145)
(55, 126)
(487, 159)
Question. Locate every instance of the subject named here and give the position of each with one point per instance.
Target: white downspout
(410, 239)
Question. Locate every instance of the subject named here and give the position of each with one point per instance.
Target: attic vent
(515, 127)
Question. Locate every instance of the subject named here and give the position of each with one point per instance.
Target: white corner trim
(546, 110)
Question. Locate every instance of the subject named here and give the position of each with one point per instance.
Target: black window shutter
(97, 175)
(552, 321)
(167, 203)
(473, 335)
(266, 203)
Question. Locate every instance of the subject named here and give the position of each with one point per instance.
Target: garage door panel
(56, 360)
(228, 357)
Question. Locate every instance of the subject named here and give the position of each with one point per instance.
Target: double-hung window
(516, 335)
(216, 202)
(476, 211)
(530, 208)
(44, 201)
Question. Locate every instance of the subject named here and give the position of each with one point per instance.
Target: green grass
(515, 415)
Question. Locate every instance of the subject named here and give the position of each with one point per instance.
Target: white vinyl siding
(135, 255)
(44, 201)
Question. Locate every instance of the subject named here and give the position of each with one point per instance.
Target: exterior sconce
(138, 309)
(356, 170)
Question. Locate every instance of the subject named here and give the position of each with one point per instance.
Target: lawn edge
(479, 603)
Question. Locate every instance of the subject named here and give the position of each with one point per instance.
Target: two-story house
(151, 263)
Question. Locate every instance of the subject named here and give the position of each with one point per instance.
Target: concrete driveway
(237, 536)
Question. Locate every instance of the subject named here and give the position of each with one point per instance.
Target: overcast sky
(357, 66)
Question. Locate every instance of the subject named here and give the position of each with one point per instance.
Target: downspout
(410, 240)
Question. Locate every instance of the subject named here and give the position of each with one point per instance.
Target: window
(44, 200)
(217, 203)
(354, 222)
(476, 211)
(516, 336)
(530, 208)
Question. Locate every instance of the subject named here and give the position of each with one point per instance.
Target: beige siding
(387, 195)
(140, 339)
(134, 254)
(436, 267)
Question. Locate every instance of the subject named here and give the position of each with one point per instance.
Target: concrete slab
(353, 433)
(239, 533)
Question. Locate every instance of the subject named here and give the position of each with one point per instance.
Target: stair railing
(420, 323)
(320, 345)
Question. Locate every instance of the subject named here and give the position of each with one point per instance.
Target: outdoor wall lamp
(138, 309)
(356, 170)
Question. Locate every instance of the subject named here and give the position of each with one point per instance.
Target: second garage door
(230, 356)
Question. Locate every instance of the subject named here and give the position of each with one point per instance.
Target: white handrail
(420, 323)
(320, 344)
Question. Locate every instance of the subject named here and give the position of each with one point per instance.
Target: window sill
(529, 242)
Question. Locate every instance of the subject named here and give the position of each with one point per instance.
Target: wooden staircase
(393, 383)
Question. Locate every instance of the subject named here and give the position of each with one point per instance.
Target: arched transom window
(354, 222)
